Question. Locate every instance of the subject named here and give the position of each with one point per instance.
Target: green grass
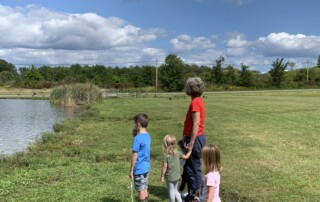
(269, 142)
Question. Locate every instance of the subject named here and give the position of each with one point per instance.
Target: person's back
(171, 166)
(141, 144)
(140, 159)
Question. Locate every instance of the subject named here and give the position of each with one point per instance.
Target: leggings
(173, 191)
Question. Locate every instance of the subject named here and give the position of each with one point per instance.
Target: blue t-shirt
(141, 145)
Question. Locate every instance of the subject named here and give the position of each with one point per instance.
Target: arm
(163, 171)
(210, 194)
(134, 157)
(195, 128)
(187, 155)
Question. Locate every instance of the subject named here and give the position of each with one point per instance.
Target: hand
(162, 178)
(131, 173)
(134, 132)
(189, 146)
(181, 143)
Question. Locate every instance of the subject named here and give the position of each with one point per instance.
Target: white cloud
(37, 35)
(206, 57)
(40, 28)
(237, 46)
(288, 45)
(186, 43)
(122, 56)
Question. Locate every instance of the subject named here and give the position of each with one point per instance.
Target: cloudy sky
(144, 32)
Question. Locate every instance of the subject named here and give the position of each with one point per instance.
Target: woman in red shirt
(193, 133)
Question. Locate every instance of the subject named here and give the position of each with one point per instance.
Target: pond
(21, 121)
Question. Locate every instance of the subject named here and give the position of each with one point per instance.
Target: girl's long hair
(169, 144)
(210, 155)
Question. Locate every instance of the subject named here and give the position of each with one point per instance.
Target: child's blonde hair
(210, 155)
(169, 144)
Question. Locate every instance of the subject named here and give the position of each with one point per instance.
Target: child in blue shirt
(140, 158)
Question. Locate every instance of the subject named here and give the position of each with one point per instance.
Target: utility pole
(156, 77)
(307, 70)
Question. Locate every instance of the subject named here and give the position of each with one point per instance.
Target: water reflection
(22, 120)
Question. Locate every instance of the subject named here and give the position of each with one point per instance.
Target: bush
(75, 95)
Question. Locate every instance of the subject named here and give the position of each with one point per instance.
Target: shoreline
(18, 93)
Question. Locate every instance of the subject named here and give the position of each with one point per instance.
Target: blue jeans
(192, 166)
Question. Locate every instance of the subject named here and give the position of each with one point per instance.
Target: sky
(143, 32)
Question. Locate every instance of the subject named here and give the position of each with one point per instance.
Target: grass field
(269, 141)
(21, 93)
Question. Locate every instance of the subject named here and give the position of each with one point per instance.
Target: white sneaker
(183, 194)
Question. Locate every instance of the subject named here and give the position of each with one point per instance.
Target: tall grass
(75, 94)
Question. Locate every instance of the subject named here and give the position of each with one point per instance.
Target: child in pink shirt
(209, 191)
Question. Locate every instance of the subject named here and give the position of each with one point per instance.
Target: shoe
(183, 194)
(191, 198)
(196, 199)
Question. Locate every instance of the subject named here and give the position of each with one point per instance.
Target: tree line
(169, 76)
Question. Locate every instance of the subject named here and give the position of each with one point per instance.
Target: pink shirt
(212, 179)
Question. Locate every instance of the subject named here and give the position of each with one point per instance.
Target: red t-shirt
(196, 105)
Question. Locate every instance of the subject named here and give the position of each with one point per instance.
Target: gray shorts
(141, 181)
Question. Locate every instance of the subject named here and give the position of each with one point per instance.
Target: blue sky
(141, 32)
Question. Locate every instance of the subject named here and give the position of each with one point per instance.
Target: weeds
(75, 95)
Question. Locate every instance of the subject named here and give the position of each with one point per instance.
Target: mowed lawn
(269, 142)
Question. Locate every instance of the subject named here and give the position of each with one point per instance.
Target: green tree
(46, 72)
(171, 73)
(246, 76)
(217, 71)
(5, 66)
(277, 72)
(318, 61)
(8, 72)
(149, 75)
(231, 75)
(135, 76)
(33, 78)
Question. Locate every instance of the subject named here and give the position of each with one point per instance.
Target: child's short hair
(141, 118)
(210, 155)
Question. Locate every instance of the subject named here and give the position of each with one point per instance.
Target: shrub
(75, 95)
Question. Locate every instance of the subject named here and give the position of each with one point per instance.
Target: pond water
(21, 121)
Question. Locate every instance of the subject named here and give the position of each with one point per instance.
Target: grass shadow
(160, 192)
(107, 199)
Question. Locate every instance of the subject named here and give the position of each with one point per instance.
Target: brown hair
(210, 155)
(141, 118)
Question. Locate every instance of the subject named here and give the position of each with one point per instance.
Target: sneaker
(191, 198)
(196, 199)
(183, 194)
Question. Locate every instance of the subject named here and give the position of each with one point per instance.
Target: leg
(176, 192)
(200, 142)
(193, 165)
(141, 185)
(142, 195)
(170, 186)
(183, 181)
